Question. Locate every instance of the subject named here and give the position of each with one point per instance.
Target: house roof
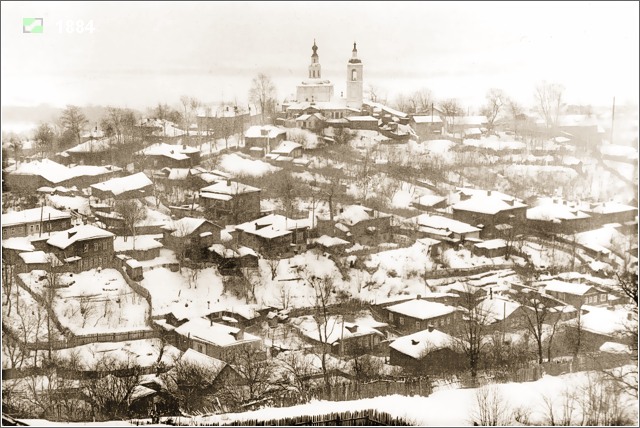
(330, 241)
(354, 214)
(228, 187)
(91, 146)
(120, 185)
(185, 226)
(33, 215)
(471, 120)
(612, 207)
(487, 204)
(497, 309)
(336, 329)
(273, 226)
(567, 287)
(212, 364)
(445, 223)
(418, 345)
(286, 147)
(83, 232)
(362, 119)
(142, 243)
(18, 244)
(217, 334)
(421, 309)
(430, 200)
(427, 119)
(271, 131)
(548, 210)
(492, 244)
(40, 257)
(57, 173)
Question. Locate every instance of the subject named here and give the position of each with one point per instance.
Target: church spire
(314, 68)
(354, 55)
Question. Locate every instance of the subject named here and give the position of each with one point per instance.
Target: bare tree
(491, 408)
(451, 109)
(16, 147)
(45, 137)
(300, 371)
(548, 98)
(263, 93)
(403, 103)
(74, 121)
(496, 99)
(273, 264)
(471, 331)
(343, 136)
(132, 212)
(110, 394)
(421, 101)
(515, 111)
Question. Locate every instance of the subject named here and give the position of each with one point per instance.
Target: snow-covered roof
(33, 215)
(273, 226)
(473, 131)
(211, 332)
(39, 257)
(173, 151)
(430, 200)
(286, 147)
(385, 108)
(83, 232)
(604, 321)
(487, 204)
(548, 210)
(119, 185)
(497, 309)
(91, 146)
(445, 223)
(427, 119)
(336, 329)
(18, 244)
(567, 287)
(421, 309)
(193, 356)
(615, 348)
(354, 214)
(362, 119)
(185, 226)
(223, 251)
(229, 187)
(270, 130)
(141, 243)
(418, 345)
(612, 207)
(492, 244)
(57, 173)
(330, 241)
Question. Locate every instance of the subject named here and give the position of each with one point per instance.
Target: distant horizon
(140, 54)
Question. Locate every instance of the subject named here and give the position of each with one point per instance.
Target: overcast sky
(149, 52)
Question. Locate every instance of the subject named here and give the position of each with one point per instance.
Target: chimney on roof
(184, 147)
(430, 328)
(511, 201)
(414, 342)
(70, 234)
(240, 334)
(256, 225)
(228, 182)
(418, 297)
(488, 192)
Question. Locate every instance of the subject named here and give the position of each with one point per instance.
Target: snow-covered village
(320, 214)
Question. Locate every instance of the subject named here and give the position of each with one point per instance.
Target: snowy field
(95, 301)
(456, 407)
(192, 292)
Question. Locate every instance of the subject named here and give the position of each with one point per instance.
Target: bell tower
(354, 80)
(314, 67)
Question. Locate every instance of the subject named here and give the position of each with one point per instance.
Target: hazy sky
(142, 53)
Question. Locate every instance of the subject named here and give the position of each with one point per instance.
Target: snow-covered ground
(95, 301)
(455, 407)
(186, 292)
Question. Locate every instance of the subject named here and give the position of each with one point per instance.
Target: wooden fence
(348, 418)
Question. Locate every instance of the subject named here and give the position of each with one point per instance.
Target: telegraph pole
(613, 115)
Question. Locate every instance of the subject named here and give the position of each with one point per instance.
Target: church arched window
(354, 75)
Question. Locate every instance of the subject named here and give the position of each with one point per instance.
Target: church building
(315, 95)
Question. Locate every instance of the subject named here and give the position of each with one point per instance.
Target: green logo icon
(32, 25)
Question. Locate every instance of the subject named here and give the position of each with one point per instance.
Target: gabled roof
(548, 210)
(286, 147)
(612, 207)
(446, 224)
(487, 204)
(567, 287)
(257, 131)
(229, 187)
(497, 309)
(84, 232)
(120, 185)
(57, 173)
(354, 214)
(430, 200)
(273, 226)
(214, 333)
(418, 345)
(185, 226)
(91, 146)
(421, 309)
(33, 215)
(173, 151)
(427, 119)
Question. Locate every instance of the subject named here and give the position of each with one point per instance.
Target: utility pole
(613, 115)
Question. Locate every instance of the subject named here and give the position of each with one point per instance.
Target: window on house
(96, 246)
(603, 297)
(105, 245)
(85, 248)
(401, 320)
(390, 316)
(448, 320)
(417, 325)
